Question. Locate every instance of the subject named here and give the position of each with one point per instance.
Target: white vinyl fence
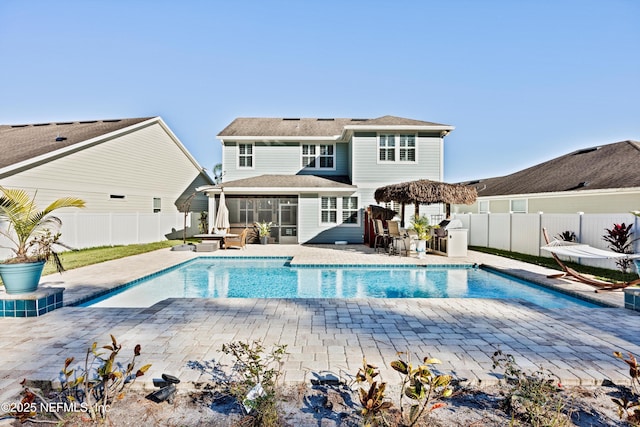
(523, 232)
(85, 230)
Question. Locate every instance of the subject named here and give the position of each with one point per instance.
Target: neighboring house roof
(608, 166)
(23, 142)
(316, 127)
(285, 183)
(26, 145)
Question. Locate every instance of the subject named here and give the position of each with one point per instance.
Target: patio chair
(382, 237)
(398, 239)
(556, 248)
(237, 242)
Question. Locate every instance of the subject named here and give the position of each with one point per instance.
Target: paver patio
(323, 335)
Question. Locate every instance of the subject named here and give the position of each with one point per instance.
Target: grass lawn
(83, 257)
(601, 273)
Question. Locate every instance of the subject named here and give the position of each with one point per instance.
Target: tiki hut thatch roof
(426, 192)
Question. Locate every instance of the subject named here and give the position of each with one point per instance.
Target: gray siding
(140, 165)
(310, 230)
(366, 168)
(278, 159)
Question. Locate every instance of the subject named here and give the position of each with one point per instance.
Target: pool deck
(323, 335)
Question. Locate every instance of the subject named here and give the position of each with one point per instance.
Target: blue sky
(522, 81)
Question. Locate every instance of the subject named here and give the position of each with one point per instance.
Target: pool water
(275, 278)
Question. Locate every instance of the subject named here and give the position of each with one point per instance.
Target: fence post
(540, 213)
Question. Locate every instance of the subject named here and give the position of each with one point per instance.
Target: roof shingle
(19, 143)
(603, 167)
(299, 127)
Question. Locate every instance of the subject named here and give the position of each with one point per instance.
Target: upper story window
(320, 156)
(387, 148)
(245, 155)
(397, 148)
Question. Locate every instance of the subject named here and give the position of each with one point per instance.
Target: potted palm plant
(32, 234)
(264, 231)
(422, 228)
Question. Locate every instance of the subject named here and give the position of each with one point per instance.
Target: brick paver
(323, 335)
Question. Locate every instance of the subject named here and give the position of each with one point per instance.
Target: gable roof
(602, 167)
(25, 146)
(19, 143)
(332, 128)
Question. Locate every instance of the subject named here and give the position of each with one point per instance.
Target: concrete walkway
(323, 335)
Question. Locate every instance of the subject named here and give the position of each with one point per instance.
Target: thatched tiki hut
(426, 192)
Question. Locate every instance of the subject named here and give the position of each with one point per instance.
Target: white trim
(211, 190)
(276, 138)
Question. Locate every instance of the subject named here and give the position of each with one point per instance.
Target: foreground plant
(629, 408)
(423, 387)
(619, 239)
(375, 406)
(532, 397)
(256, 379)
(92, 389)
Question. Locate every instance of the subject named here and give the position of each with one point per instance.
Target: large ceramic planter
(421, 248)
(21, 278)
(264, 239)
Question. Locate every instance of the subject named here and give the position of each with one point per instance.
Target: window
(350, 210)
(320, 156)
(483, 206)
(246, 211)
(308, 156)
(407, 148)
(326, 156)
(157, 204)
(518, 206)
(245, 155)
(329, 210)
(386, 147)
(397, 148)
(394, 206)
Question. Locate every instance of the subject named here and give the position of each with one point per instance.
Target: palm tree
(32, 231)
(217, 173)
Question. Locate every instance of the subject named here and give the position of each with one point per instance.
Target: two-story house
(313, 177)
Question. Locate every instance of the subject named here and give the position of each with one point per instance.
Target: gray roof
(602, 167)
(321, 127)
(19, 143)
(292, 181)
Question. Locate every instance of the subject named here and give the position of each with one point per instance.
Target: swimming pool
(275, 278)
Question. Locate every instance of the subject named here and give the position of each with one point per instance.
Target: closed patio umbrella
(222, 216)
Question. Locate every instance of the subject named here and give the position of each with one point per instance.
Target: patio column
(211, 218)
